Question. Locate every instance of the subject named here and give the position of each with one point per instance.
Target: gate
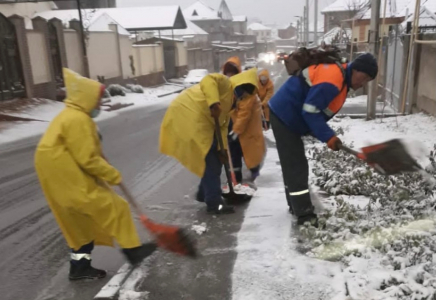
(170, 61)
(394, 67)
(55, 54)
(11, 75)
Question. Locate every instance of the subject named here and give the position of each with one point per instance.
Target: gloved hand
(233, 135)
(223, 156)
(334, 143)
(215, 110)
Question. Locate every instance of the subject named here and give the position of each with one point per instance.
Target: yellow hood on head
(234, 60)
(265, 73)
(82, 93)
(249, 76)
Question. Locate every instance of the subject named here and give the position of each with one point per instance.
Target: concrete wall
(125, 52)
(181, 55)
(74, 51)
(38, 57)
(426, 78)
(200, 59)
(25, 10)
(148, 59)
(103, 55)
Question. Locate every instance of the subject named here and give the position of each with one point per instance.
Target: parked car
(281, 56)
(194, 77)
(250, 63)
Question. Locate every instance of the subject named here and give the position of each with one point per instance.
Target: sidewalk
(380, 237)
(21, 119)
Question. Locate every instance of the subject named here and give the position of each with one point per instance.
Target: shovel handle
(219, 137)
(352, 152)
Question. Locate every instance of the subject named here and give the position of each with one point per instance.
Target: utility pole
(315, 36)
(82, 35)
(298, 33)
(374, 44)
(306, 25)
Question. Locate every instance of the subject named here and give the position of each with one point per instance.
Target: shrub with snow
(117, 90)
(398, 223)
(135, 88)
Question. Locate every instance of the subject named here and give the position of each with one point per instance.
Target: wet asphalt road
(34, 264)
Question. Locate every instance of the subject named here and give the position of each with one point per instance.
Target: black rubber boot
(221, 209)
(82, 269)
(291, 211)
(136, 255)
(199, 196)
(311, 218)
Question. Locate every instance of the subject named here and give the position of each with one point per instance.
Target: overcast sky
(278, 12)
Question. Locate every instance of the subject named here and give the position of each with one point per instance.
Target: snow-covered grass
(380, 237)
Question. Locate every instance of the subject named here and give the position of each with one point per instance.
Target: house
(217, 23)
(193, 35)
(287, 32)
(262, 32)
(240, 25)
(341, 10)
(396, 13)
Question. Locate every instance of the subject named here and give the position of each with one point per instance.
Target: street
(35, 255)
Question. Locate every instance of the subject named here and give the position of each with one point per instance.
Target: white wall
(182, 55)
(126, 51)
(38, 57)
(103, 55)
(148, 59)
(74, 51)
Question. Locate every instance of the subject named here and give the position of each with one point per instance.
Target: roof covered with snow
(200, 11)
(191, 30)
(239, 18)
(345, 5)
(257, 26)
(427, 15)
(224, 11)
(394, 9)
(130, 18)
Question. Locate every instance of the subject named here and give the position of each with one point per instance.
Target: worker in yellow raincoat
(187, 131)
(232, 66)
(74, 177)
(246, 137)
(265, 92)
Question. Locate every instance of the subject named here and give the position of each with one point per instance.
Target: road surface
(35, 258)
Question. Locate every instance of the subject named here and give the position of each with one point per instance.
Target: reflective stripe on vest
(299, 193)
(310, 108)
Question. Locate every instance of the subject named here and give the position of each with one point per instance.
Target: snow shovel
(388, 158)
(171, 238)
(231, 197)
(232, 171)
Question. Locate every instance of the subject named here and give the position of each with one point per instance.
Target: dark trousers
(237, 156)
(295, 167)
(210, 184)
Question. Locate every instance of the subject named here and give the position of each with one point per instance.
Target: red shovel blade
(390, 158)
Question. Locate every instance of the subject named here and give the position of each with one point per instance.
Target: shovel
(388, 158)
(171, 238)
(231, 197)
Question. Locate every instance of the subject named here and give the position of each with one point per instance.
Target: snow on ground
(46, 110)
(380, 237)
(268, 265)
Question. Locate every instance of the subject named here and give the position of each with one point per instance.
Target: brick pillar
(61, 40)
(23, 47)
(40, 24)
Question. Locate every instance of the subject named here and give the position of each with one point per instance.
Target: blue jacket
(305, 103)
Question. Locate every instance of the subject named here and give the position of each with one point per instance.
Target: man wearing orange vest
(304, 105)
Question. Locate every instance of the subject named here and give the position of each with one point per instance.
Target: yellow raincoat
(187, 129)
(70, 168)
(265, 92)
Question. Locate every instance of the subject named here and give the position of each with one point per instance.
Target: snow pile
(134, 88)
(386, 243)
(240, 189)
(199, 229)
(117, 90)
